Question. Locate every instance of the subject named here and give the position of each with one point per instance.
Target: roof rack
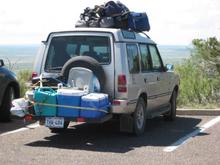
(139, 32)
(145, 34)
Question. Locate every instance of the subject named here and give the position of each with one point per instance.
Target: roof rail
(145, 34)
(139, 32)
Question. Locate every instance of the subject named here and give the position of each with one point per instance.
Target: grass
(200, 106)
(23, 77)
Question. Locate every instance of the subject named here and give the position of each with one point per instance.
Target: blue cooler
(45, 95)
(99, 101)
(69, 97)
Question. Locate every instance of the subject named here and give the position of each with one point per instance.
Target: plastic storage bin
(48, 96)
(99, 101)
(80, 77)
(69, 97)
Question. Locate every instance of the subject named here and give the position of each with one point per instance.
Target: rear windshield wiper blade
(54, 68)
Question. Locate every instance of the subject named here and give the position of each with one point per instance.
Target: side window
(133, 60)
(145, 58)
(155, 57)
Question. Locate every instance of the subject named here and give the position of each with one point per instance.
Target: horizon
(35, 44)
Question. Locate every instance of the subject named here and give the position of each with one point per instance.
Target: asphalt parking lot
(188, 140)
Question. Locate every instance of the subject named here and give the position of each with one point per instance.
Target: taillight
(80, 119)
(34, 74)
(122, 83)
(116, 102)
(28, 117)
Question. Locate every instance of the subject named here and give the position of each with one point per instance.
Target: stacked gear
(113, 15)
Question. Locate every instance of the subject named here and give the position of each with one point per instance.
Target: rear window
(63, 48)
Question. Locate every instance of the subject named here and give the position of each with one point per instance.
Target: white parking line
(184, 139)
(31, 126)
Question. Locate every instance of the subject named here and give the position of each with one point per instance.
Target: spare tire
(85, 62)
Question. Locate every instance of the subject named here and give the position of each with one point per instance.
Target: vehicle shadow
(107, 138)
(14, 124)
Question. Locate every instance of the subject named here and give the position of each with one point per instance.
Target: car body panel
(7, 77)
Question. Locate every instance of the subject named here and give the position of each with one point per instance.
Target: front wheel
(139, 117)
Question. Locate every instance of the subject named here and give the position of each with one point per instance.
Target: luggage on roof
(138, 22)
(107, 22)
(113, 15)
(112, 9)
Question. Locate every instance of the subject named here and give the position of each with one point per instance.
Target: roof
(118, 34)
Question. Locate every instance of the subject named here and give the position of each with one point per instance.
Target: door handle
(145, 80)
(158, 78)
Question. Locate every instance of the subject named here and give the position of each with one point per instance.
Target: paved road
(104, 144)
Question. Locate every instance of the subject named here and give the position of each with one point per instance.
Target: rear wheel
(171, 115)
(139, 117)
(6, 104)
(57, 130)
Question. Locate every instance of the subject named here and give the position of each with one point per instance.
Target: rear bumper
(118, 107)
(87, 120)
(123, 107)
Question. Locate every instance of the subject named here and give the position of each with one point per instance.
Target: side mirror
(169, 67)
(2, 62)
(44, 42)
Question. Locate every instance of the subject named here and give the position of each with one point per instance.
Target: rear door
(94, 44)
(148, 78)
(162, 92)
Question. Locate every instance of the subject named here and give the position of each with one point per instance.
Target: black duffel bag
(112, 9)
(121, 21)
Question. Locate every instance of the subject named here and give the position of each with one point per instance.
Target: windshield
(63, 48)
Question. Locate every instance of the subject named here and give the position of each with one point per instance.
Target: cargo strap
(37, 84)
(72, 107)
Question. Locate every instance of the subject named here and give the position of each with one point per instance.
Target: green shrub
(23, 77)
(195, 86)
(200, 75)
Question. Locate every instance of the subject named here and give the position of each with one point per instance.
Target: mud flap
(126, 123)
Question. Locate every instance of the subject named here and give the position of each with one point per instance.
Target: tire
(85, 62)
(171, 115)
(139, 118)
(58, 130)
(6, 104)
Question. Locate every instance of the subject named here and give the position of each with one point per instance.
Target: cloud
(172, 21)
(12, 22)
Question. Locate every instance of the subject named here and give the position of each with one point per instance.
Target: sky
(173, 22)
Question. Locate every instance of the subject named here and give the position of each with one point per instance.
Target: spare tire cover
(85, 62)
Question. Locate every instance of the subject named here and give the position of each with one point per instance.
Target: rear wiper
(54, 68)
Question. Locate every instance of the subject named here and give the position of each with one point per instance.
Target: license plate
(54, 122)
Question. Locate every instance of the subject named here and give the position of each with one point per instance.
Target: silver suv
(128, 67)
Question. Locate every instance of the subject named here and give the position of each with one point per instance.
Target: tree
(207, 52)
(200, 75)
